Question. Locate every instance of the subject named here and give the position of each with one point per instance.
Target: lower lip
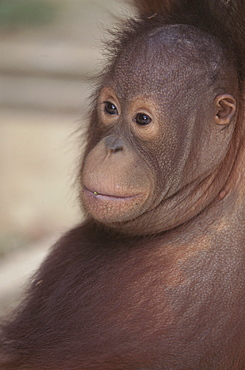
(106, 197)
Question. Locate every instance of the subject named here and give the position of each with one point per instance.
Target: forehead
(173, 56)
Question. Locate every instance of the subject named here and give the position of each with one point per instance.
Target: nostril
(115, 149)
(114, 144)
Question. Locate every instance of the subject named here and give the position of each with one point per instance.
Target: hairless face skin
(160, 144)
(154, 278)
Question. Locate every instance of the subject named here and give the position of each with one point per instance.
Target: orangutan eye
(110, 108)
(142, 119)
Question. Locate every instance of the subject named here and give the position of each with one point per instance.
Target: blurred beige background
(48, 50)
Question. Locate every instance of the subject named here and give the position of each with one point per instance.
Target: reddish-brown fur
(159, 285)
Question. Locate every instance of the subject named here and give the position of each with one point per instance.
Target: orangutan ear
(225, 109)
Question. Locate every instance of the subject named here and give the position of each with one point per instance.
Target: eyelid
(143, 114)
(108, 101)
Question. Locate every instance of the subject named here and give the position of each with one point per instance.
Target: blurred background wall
(48, 50)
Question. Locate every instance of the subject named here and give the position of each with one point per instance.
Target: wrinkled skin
(140, 174)
(154, 279)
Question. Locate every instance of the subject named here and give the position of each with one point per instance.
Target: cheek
(170, 157)
(165, 154)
